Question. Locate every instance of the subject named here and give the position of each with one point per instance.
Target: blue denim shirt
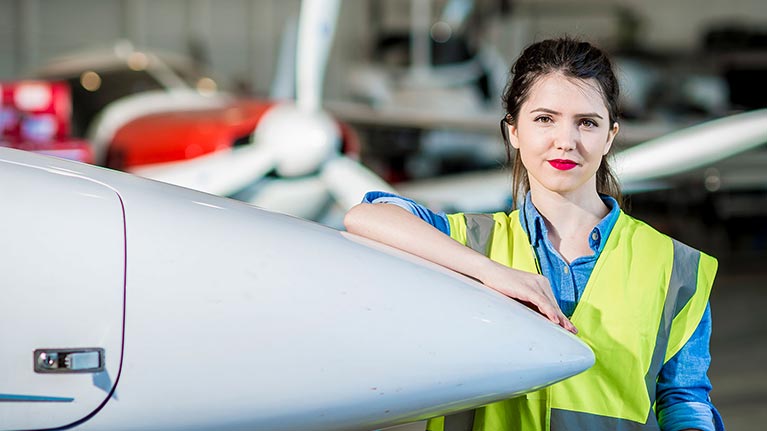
(683, 386)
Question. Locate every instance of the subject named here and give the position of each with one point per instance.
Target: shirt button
(567, 270)
(594, 236)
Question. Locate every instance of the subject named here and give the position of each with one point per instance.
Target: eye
(589, 123)
(545, 119)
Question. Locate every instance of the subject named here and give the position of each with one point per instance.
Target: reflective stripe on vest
(463, 421)
(682, 286)
(479, 232)
(675, 292)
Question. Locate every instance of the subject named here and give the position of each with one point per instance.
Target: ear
(610, 137)
(512, 132)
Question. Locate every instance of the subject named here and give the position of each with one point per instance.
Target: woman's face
(562, 132)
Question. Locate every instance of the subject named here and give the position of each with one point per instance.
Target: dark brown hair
(573, 59)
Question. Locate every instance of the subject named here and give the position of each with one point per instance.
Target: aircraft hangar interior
(300, 108)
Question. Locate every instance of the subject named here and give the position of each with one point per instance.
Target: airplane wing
(643, 167)
(693, 147)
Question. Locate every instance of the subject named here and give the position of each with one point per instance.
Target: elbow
(355, 217)
(368, 220)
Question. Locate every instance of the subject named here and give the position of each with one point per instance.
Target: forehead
(565, 94)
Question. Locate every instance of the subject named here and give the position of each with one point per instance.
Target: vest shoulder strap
(475, 230)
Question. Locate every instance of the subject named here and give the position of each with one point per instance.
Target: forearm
(398, 228)
(392, 225)
(683, 387)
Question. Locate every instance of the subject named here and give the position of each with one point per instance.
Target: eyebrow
(552, 112)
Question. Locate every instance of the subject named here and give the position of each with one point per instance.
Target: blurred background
(409, 94)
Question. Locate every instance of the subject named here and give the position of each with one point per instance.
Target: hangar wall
(240, 38)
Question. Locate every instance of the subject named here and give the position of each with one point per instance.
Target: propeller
(296, 139)
(300, 136)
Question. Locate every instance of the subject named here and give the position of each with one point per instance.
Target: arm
(398, 228)
(683, 386)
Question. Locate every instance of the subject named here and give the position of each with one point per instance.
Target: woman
(638, 298)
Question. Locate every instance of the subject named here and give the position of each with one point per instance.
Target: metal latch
(88, 360)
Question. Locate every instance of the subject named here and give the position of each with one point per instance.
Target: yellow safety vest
(644, 299)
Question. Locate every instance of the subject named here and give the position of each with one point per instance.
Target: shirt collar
(535, 226)
(532, 221)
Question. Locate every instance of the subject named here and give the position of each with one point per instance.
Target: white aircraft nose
(238, 318)
(323, 330)
(410, 337)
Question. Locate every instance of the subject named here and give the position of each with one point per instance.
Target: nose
(567, 137)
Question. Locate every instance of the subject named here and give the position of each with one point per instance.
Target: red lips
(562, 164)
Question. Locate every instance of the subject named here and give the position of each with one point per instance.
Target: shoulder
(464, 225)
(634, 223)
(629, 228)
(491, 219)
(641, 233)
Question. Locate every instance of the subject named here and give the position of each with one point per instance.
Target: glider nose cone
(536, 353)
(505, 348)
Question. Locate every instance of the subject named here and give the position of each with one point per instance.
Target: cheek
(531, 160)
(533, 141)
(597, 146)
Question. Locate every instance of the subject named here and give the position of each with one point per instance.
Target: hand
(531, 289)
(398, 228)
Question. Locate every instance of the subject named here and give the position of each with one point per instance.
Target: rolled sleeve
(689, 415)
(683, 385)
(438, 219)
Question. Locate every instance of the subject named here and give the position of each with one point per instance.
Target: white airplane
(643, 167)
(155, 133)
(130, 304)
(294, 138)
(300, 142)
(463, 129)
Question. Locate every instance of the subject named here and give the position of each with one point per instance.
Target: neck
(569, 218)
(563, 210)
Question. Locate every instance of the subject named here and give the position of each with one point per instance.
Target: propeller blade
(478, 191)
(305, 197)
(347, 180)
(692, 147)
(284, 81)
(221, 173)
(316, 26)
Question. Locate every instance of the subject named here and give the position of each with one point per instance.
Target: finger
(547, 302)
(568, 325)
(544, 300)
(539, 303)
(551, 311)
(541, 284)
(560, 318)
(565, 322)
(546, 287)
(546, 305)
